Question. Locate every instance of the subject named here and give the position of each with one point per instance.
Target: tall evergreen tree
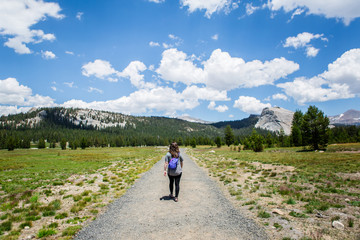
(63, 143)
(218, 141)
(296, 135)
(41, 143)
(315, 128)
(229, 135)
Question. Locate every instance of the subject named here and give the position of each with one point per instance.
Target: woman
(174, 170)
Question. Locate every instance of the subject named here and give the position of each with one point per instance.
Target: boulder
(338, 225)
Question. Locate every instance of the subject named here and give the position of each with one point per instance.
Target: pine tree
(229, 135)
(10, 143)
(83, 143)
(218, 141)
(315, 128)
(63, 143)
(296, 135)
(41, 143)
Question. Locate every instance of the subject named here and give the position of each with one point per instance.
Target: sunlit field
(51, 192)
(301, 185)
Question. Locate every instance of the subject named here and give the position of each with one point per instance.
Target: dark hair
(174, 149)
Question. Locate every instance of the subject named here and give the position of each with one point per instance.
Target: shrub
(45, 232)
(61, 215)
(71, 231)
(264, 214)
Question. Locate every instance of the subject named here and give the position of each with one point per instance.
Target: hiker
(173, 165)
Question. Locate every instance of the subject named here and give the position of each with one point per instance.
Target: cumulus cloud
(302, 40)
(195, 92)
(250, 105)
(69, 84)
(220, 108)
(132, 72)
(221, 71)
(101, 69)
(17, 18)
(6, 110)
(279, 96)
(340, 81)
(162, 99)
(12, 93)
(346, 10)
(175, 66)
(224, 72)
(48, 55)
(210, 6)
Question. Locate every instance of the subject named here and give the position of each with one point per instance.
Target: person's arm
(181, 161)
(165, 167)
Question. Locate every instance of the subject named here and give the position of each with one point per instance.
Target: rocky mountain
(191, 119)
(350, 117)
(275, 119)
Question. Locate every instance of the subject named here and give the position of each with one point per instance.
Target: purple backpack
(174, 162)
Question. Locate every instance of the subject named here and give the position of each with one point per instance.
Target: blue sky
(209, 59)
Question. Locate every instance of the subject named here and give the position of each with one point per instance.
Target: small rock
(26, 227)
(278, 211)
(212, 151)
(338, 225)
(30, 236)
(347, 200)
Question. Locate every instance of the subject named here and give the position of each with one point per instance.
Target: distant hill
(350, 117)
(238, 124)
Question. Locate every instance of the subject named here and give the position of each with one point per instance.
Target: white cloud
(132, 71)
(101, 69)
(210, 6)
(302, 40)
(231, 116)
(17, 17)
(297, 12)
(194, 92)
(346, 10)
(224, 72)
(340, 81)
(12, 93)
(279, 96)
(221, 71)
(69, 84)
(157, 1)
(176, 67)
(79, 15)
(215, 37)
(69, 52)
(48, 55)
(250, 105)
(345, 70)
(162, 99)
(154, 44)
(250, 9)
(92, 89)
(315, 89)
(221, 108)
(6, 110)
(311, 51)
(54, 88)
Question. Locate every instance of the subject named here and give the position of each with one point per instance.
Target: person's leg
(171, 184)
(177, 185)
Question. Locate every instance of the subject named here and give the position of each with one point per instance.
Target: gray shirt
(178, 170)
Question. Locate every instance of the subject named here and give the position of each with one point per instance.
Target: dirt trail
(145, 212)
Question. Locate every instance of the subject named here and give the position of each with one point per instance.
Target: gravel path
(145, 212)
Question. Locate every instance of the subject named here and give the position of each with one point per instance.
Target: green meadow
(323, 185)
(65, 187)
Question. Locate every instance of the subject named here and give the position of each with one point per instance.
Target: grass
(314, 181)
(28, 177)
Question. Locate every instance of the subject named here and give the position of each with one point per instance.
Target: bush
(71, 231)
(45, 232)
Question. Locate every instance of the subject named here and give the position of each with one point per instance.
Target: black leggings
(177, 184)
